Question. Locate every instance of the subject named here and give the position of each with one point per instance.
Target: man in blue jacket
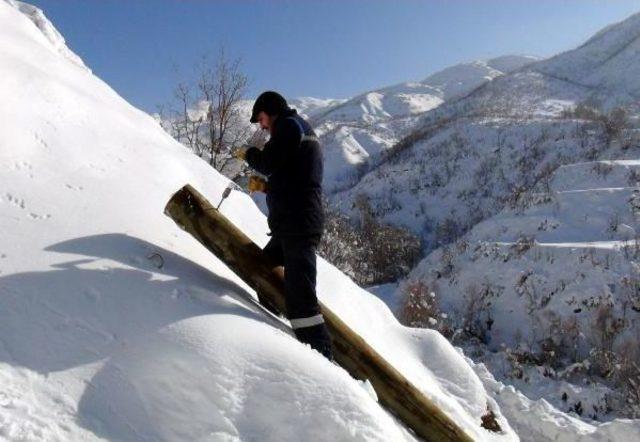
(292, 162)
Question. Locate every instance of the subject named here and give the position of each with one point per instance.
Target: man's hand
(240, 153)
(257, 184)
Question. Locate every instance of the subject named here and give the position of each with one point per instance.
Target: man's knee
(300, 254)
(273, 252)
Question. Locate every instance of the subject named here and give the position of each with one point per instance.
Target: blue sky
(323, 48)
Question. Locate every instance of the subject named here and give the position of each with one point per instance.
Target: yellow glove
(240, 153)
(257, 184)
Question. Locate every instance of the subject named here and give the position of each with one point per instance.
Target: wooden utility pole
(193, 213)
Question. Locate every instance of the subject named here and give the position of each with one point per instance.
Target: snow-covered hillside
(410, 98)
(544, 286)
(557, 284)
(604, 72)
(549, 285)
(468, 158)
(102, 339)
(607, 64)
(309, 107)
(358, 131)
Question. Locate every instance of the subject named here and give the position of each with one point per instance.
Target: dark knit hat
(269, 102)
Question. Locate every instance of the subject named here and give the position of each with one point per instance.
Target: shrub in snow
(476, 317)
(614, 121)
(370, 253)
(419, 307)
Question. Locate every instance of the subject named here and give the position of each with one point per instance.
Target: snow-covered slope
(409, 98)
(48, 30)
(309, 107)
(608, 62)
(581, 227)
(603, 71)
(469, 157)
(467, 169)
(358, 131)
(101, 339)
(558, 281)
(546, 281)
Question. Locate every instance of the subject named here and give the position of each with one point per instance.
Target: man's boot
(318, 337)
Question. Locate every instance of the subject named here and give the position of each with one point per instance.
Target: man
(292, 162)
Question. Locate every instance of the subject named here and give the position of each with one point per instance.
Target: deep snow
(98, 340)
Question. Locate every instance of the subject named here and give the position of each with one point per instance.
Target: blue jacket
(292, 162)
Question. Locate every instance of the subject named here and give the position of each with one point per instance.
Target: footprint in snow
(19, 202)
(39, 217)
(40, 140)
(97, 167)
(22, 165)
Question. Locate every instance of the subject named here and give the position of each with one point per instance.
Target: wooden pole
(193, 213)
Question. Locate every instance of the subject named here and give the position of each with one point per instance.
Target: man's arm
(281, 145)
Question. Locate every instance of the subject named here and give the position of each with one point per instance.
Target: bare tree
(205, 115)
(184, 127)
(222, 86)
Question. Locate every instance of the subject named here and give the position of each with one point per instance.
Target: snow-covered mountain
(603, 71)
(558, 280)
(356, 133)
(406, 99)
(310, 106)
(547, 276)
(469, 157)
(608, 64)
(100, 339)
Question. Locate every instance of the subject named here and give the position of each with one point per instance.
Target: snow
(576, 262)
(356, 133)
(575, 225)
(310, 106)
(510, 63)
(387, 293)
(607, 61)
(539, 420)
(546, 209)
(461, 79)
(245, 389)
(409, 98)
(100, 339)
(48, 30)
(463, 158)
